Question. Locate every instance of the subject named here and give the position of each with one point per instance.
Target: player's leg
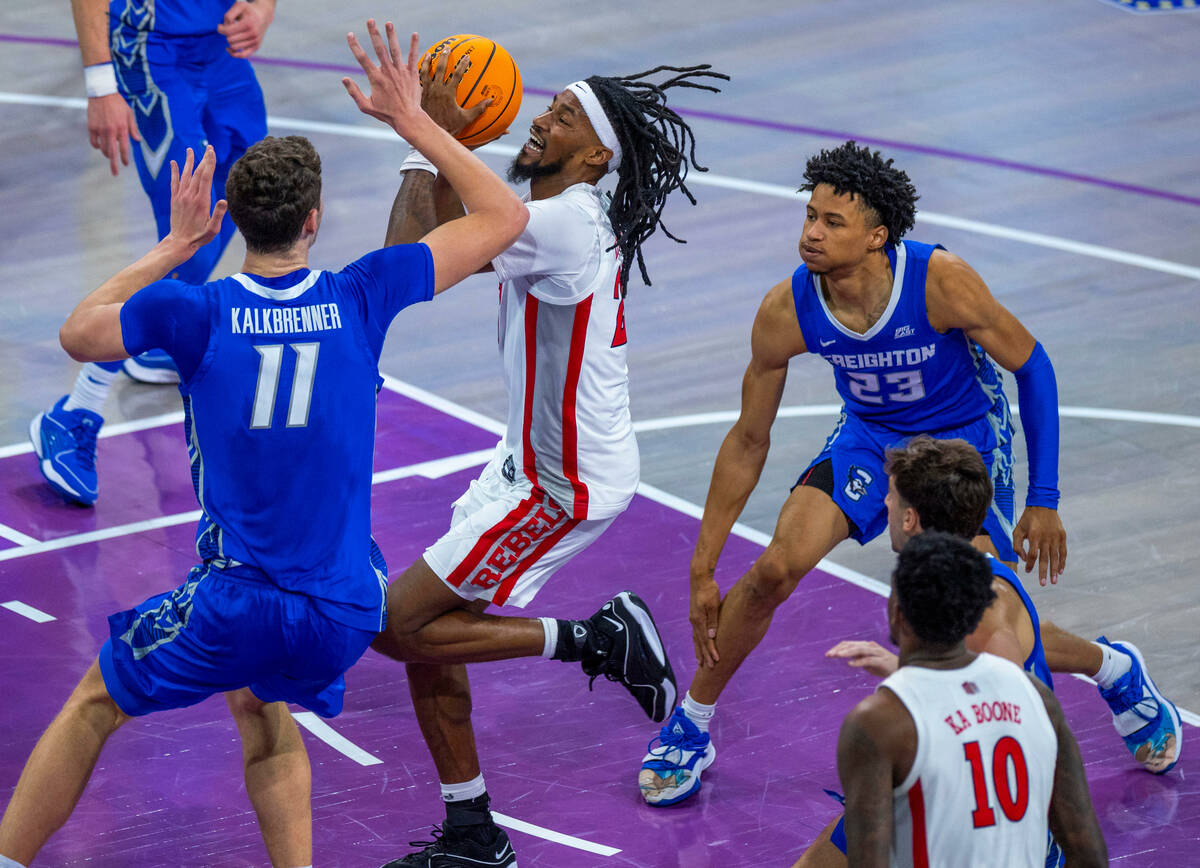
(278, 776)
(59, 767)
(828, 850)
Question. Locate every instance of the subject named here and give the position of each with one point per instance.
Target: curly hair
(945, 481)
(657, 148)
(271, 190)
(884, 191)
(943, 586)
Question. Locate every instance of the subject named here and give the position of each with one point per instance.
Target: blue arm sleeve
(386, 281)
(171, 316)
(1037, 396)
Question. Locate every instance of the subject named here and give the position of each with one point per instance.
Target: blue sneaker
(65, 443)
(671, 768)
(1143, 717)
(152, 366)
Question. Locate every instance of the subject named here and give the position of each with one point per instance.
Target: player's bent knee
(773, 577)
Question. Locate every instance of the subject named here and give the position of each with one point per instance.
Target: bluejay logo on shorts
(509, 470)
(857, 481)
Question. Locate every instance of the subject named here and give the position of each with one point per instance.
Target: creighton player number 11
(270, 358)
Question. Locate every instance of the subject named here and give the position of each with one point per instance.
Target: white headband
(600, 122)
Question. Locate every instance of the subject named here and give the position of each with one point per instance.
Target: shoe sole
(155, 376)
(701, 764)
(53, 477)
(1163, 702)
(650, 638)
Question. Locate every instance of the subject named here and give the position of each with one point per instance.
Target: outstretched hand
(395, 87)
(439, 93)
(870, 656)
(195, 221)
(1039, 538)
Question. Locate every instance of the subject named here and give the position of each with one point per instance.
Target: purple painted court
(168, 789)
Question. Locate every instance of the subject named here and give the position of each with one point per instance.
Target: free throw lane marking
(334, 739)
(28, 611)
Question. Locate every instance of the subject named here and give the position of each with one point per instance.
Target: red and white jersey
(562, 339)
(979, 790)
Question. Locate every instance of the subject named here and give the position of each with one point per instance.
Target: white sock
(1116, 663)
(90, 392)
(467, 790)
(550, 625)
(5, 862)
(697, 712)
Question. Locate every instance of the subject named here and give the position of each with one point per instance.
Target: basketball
(493, 73)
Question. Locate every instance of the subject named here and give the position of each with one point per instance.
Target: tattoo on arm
(412, 216)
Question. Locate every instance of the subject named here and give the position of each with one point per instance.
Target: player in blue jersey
(911, 332)
(279, 375)
(161, 76)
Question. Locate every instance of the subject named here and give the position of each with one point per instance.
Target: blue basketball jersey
(901, 373)
(279, 381)
(1035, 664)
(170, 17)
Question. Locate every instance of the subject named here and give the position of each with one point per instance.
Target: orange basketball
(493, 73)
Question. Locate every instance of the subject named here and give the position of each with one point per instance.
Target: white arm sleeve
(557, 247)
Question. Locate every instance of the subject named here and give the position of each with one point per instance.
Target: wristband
(100, 79)
(417, 160)
(1037, 396)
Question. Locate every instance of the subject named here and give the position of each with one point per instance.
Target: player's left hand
(245, 26)
(870, 656)
(1039, 538)
(195, 221)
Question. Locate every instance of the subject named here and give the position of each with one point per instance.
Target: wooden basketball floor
(1055, 147)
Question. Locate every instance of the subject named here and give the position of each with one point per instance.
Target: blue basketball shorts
(857, 450)
(187, 92)
(222, 630)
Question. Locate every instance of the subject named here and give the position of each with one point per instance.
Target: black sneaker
(631, 651)
(453, 847)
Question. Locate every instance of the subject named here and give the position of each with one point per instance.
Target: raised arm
(92, 333)
(774, 340)
(110, 121)
(1072, 817)
(956, 297)
(495, 215)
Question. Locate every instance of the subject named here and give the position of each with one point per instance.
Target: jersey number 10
(270, 360)
(1012, 804)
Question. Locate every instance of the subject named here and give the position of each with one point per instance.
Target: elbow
(72, 341)
(517, 217)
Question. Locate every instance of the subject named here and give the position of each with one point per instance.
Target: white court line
(550, 835)
(707, 179)
(14, 535)
(334, 739)
(28, 611)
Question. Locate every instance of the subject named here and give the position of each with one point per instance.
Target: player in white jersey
(568, 462)
(958, 759)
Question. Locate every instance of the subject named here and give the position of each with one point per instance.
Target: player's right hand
(110, 127)
(703, 605)
(870, 656)
(395, 88)
(195, 221)
(439, 94)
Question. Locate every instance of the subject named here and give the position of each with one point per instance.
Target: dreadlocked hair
(866, 175)
(656, 149)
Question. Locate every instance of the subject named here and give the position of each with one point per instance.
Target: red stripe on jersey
(570, 428)
(531, 317)
(916, 808)
(463, 571)
(530, 559)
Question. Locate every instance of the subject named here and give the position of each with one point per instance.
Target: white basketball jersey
(979, 790)
(562, 339)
